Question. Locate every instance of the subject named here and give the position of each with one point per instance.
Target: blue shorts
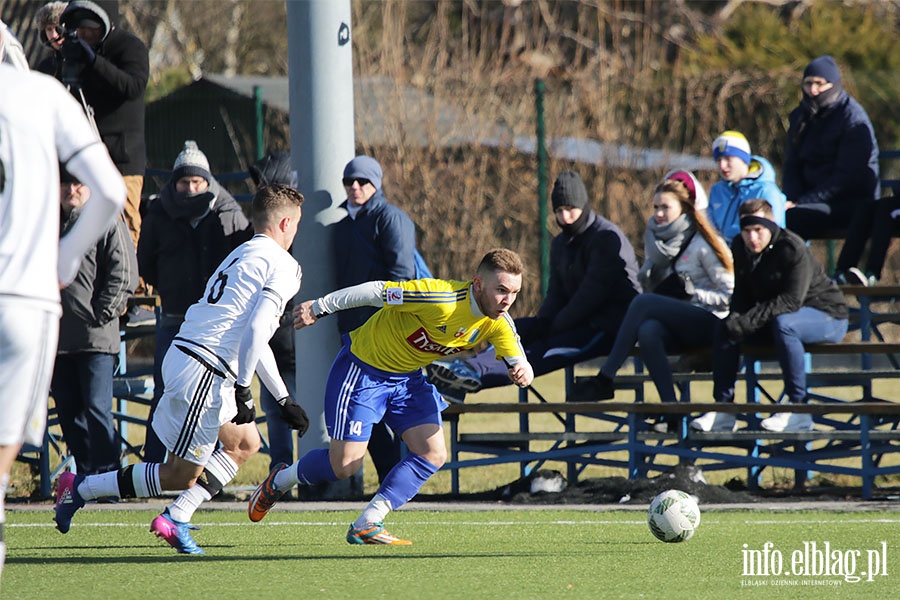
(357, 396)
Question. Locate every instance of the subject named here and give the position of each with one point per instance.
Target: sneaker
(138, 316)
(715, 422)
(663, 425)
(175, 533)
(68, 500)
(454, 375)
(788, 422)
(856, 277)
(265, 496)
(591, 389)
(374, 533)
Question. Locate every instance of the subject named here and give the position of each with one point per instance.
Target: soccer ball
(673, 516)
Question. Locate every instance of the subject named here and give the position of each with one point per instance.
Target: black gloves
(89, 55)
(246, 411)
(294, 415)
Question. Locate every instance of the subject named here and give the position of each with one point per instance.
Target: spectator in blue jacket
(831, 176)
(593, 279)
(744, 177)
(189, 229)
(376, 241)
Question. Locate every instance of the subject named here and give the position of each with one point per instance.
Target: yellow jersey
(423, 320)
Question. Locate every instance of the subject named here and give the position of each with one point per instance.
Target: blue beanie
(364, 167)
(824, 67)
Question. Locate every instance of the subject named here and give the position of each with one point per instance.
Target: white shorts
(29, 332)
(196, 402)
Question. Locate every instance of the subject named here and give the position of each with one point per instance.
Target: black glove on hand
(89, 55)
(294, 415)
(246, 411)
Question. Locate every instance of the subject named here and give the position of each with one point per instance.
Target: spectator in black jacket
(189, 229)
(831, 176)
(82, 384)
(112, 68)
(593, 279)
(781, 296)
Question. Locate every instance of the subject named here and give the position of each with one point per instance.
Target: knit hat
(698, 194)
(824, 67)
(731, 143)
(84, 13)
(190, 162)
(65, 176)
(569, 190)
(364, 167)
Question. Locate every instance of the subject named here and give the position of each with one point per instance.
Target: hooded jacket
(178, 253)
(113, 87)
(831, 155)
(378, 245)
(593, 277)
(93, 302)
(782, 279)
(725, 198)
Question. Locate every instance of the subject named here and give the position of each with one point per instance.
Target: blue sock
(405, 479)
(315, 467)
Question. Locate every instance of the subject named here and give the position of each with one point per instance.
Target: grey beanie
(190, 162)
(569, 190)
(86, 13)
(364, 167)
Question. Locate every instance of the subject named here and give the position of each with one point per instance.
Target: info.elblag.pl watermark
(815, 563)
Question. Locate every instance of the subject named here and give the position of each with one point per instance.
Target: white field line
(468, 523)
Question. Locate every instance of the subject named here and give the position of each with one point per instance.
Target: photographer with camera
(107, 70)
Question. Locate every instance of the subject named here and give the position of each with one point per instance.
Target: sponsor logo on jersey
(474, 335)
(423, 343)
(442, 328)
(393, 295)
(462, 331)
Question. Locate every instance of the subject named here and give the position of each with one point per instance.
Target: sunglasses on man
(348, 181)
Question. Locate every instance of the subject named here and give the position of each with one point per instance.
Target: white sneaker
(788, 422)
(715, 422)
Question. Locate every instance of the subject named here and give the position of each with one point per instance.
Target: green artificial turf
(456, 554)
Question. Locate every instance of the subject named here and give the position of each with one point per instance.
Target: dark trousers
(494, 373)
(82, 387)
(876, 221)
(281, 436)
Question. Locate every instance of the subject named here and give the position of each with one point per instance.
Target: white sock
(375, 512)
(188, 502)
(100, 486)
(286, 479)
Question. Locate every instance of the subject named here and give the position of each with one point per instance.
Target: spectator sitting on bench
(593, 278)
(830, 174)
(781, 296)
(744, 176)
(689, 273)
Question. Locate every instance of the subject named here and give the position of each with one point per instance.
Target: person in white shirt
(208, 369)
(41, 126)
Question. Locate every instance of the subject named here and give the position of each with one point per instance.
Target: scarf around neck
(662, 243)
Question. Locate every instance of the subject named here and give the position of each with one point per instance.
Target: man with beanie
(744, 176)
(782, 297)
(376, 241)
(593, 278)
(831, 176)
(112, 68)
(190, 227)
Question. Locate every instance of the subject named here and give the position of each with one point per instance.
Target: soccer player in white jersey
(41, 125)
(378, 373)
(208, 369)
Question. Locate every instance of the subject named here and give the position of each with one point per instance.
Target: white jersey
(256, 270)
(41, 125)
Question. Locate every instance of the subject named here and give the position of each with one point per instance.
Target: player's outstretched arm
(303, 315)
(364, 294)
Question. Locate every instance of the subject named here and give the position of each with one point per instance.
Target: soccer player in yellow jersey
(378, 374)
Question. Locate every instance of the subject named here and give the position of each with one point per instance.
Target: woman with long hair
(688, 275)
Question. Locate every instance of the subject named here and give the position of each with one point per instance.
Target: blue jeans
(662, 325)
(82, 387)
(788, 333)
(281, 436)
